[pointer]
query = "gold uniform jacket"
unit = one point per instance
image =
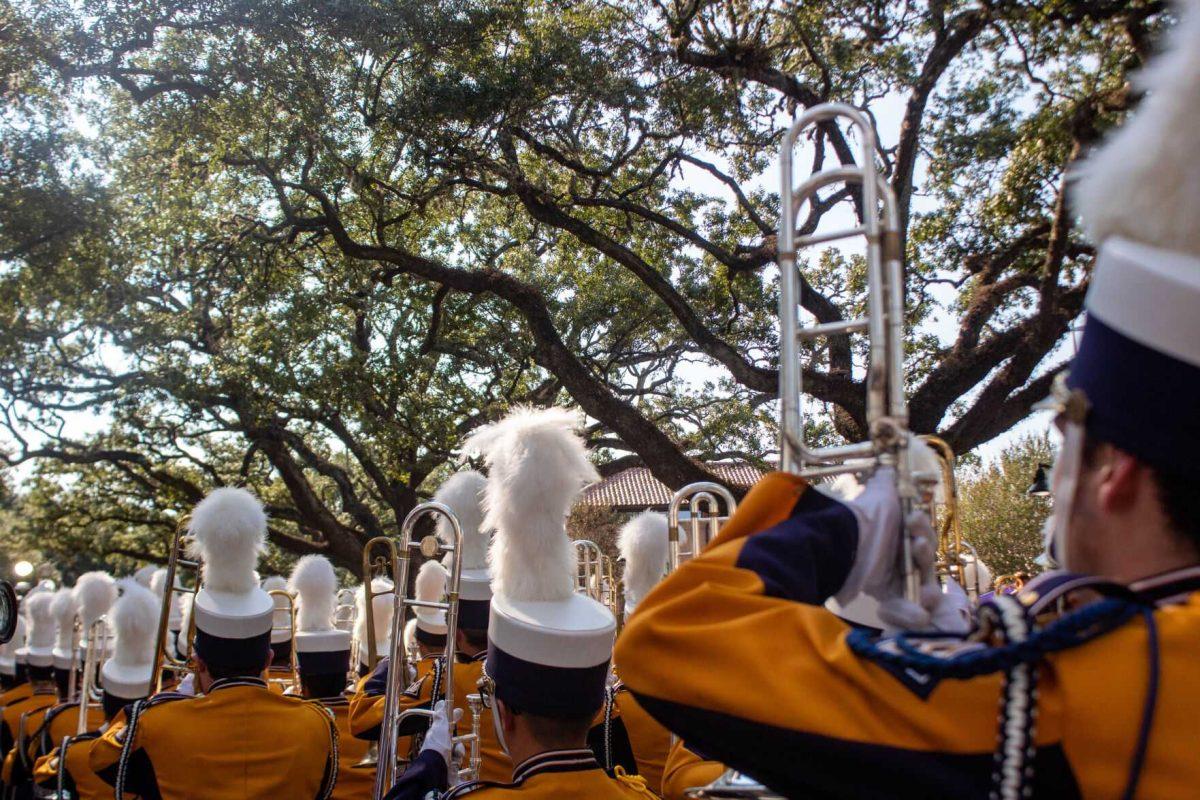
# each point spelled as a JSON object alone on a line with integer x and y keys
{"x": 687, "y": 770}
{"x": 67, "y": 771}
{"x": 367, "y": 708}
{"x": 735, "y": 653}
{"x": 237, "y": 742}
{"x": 60, "y": 722}
{"x": 553, "y": 775}
{"x": 23, "y": 717}
{"x": 626, "y": 736}
{"x": 353, "y": 782}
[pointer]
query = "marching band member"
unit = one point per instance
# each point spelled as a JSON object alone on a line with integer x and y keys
{"x": 93, "y": 595}
{"x": 1094, "y": 701}
{"x": 238, "y": 739}
{"x": 548, "y": 647}
{"x": 462, "y": 493}
{"x": 145, "y": 576}
{"x": 625, "y": 734}
{"x": 323, "y": 659}
{"x": 63, "y": 609}
{"x": 16, "y": 728}
{"x": 125, "y": 679}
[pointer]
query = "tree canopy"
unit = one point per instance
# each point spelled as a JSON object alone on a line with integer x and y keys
{"x": 307, "y": 246}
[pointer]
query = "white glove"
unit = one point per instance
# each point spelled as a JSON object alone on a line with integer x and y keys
{"x": 439, "y": 738}
{"x": 187, "y": 685}
{"x": 876, "y": 570}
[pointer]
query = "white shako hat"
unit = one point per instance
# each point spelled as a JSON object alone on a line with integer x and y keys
{"x": 382, "y": 607}
{"x": 62, "y": 607}
{"x": 643, "y": 543}
{"x": 158, "y": 585}
{"x": 145, "y": 575}
{"x": 127, "y": 674}
{"x": 430, "y": 585}
{"x": 548, "y": 648}
{"x": 39, "y": 645}
{"x": 8, "y": 650}
{"x": 233, "y": 615}
{"x": 463, "y": 493}
{"x": 321, "y": 649}
{"x": 1138, "y": 364}
{"x": 95, "y": 592}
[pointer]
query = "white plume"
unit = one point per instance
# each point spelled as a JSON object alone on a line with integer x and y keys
{"x": 315, "y": 585}
{"x": 537, "y": 466}
{"x": 1143, "y": 183}
{"x": 158, "y": 581}
{"x": 145, "y": 575}
{"x": 185, "y": 621}
{"x": 40, "y": 611}
{"x": 382, "y": 606}
{"x": 463, "y": 493}
{"x": 229, "y": 530}
{"x": 274, "y": 583}
{"x": 95, "y": 592}
{"x": 410, "y": 635}
{"x": 431, "y": 581}
{"x": 643, "y": 543}
{"x": 135, "y": 621}
{"x": 63, "y": 609}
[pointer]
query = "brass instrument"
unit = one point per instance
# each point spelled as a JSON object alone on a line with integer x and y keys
{"x": 345, "y": 614}
{"x": 732, "y": 785}
{"x": 90, "y": 696}
{"x": 179, "y": 661}
{"x": 589, "y": 570}
{"x": 458, "y": 772}
{"x": 704, "y": 519}
{"x": 380, "y": 559}
{"x": 954, "y": 554}
{"x": 285, "y": 602}
{"x": 886, "y": 405}
{"x": 430, "y": 547}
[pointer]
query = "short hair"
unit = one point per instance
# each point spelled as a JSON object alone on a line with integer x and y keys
{"x": 475, "y": 637}
{"x": 241, "y": 669}
{"x": 559, "y": 732}
{"x": 322, "y": 684}
{"x": 37, "y": 673}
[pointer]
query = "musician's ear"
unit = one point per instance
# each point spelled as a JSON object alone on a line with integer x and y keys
{"x": 1121, "y": 480}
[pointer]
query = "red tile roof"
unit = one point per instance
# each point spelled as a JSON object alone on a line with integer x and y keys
{"x": 635, "y": 488}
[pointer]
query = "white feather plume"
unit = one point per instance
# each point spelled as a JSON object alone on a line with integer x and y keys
{"x": 229, "y": 531}
{"x": 1143, "y": 183}
{"x": 431, "y": 581}
{"x": 145, "y": 575}
{"x": 135, "y": 621}
{"x": 315, "y": 585}
{"x": 463, "y": 492}
{"x": 63, "y": 608}
{"x": 382, "y": 605}
{"x": 274, "y": 583}
{"x": 643, "y": 543}
{"x": 39, "y": 610}
{"x": 410, "y": 635}
{"x": 537, "y": 465}
{"x": 95, "y": 592}
{"x": 158, "y": 581}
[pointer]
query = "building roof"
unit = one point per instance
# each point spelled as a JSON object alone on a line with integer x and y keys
{"x": 635, "y": 488}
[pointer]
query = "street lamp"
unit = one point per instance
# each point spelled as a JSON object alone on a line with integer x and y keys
{"x": 23, "y": 569}
{"x": 1041, "y": 484}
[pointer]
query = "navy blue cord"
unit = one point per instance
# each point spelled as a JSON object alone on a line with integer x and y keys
{"x": 1143, "y": 742}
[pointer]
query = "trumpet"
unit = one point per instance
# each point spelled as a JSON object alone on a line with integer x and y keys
{"x": 704, "y": 519}
{"x": 179, "y": 661}
{"x": 430, "y": 547}
{"x": 469, "y": 742}
{"x": 886, "y": 405}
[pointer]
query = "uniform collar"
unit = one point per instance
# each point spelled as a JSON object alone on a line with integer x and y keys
{"x": 228, "y": 683}
{"x": 1168, "y": 588}
{"x": 555, "y": 761}
{"x": 465, "y": 659}
{"x": 340, "y": 700}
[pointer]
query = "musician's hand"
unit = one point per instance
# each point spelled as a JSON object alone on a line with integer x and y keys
{"x": 439, "y": 738}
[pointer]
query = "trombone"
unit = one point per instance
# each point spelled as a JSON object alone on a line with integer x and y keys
{"x": 90, "y": 697}
{"x": 430, "y": 547}
{"x": 177, "y": 662}
{"x": 285, "y": 603}
{"x": 886, "y": 405}
{"x": 590, "y": 569}
{"x": 704, "y": 519}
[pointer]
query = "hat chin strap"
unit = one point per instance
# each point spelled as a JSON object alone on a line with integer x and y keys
{"x": 498, "y": 726}
{"x": 1064, "y": 481}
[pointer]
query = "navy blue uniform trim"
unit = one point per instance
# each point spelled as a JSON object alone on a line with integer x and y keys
{"x": 807, "y": 557}
{"x": 798, "y": 764}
